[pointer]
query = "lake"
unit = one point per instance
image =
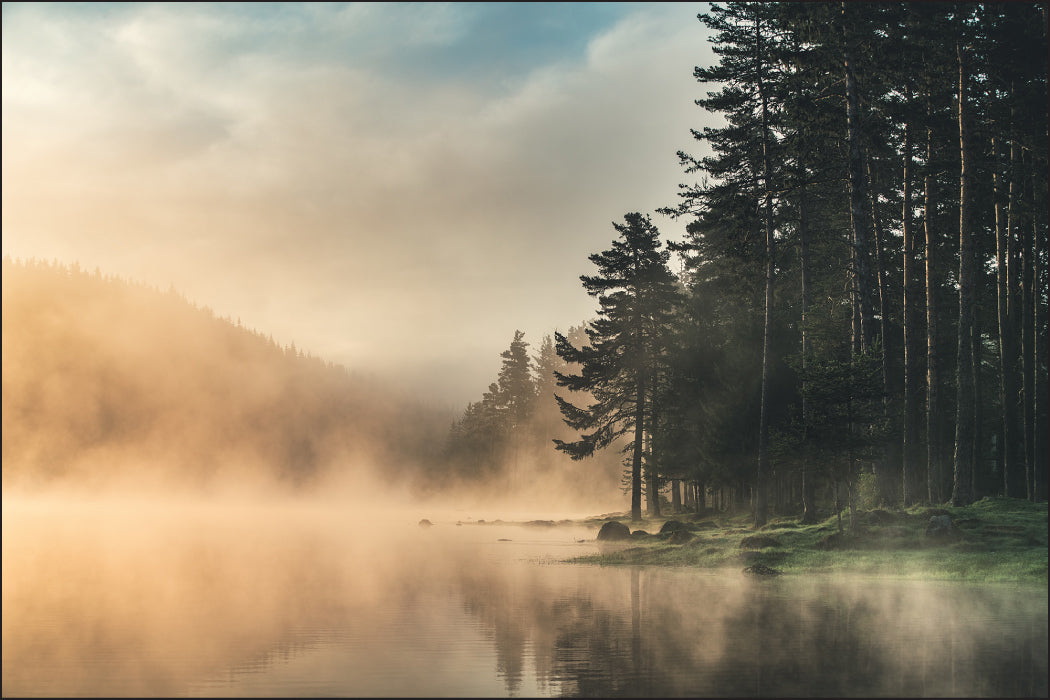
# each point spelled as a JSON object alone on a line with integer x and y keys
{"x": 135, "y": 598}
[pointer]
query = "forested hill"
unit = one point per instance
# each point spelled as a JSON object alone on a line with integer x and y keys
{"x": 105, "y": 379}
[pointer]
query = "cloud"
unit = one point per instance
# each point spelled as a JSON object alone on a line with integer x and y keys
{"x": 348, "y": 177}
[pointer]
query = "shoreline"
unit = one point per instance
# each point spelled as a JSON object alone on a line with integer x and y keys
{"x": 994, "y": 540}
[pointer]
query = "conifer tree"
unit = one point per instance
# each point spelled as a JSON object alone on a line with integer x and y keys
{"x": 636, "y": 293}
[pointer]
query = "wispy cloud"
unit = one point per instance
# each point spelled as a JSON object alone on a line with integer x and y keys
{"x": 387, "y": 185}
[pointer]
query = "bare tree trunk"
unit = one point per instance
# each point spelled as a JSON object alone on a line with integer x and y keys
{"x": 933, "y": 440}
{"x": 636, "y": 459}
{"x": 809, "y": 514}
{"x": 887, "y": 473}
{"x": 977, "y": 431}
{"x": 676, "y": 496}
{"x": 860, "y": 223}
{"x": 963, "y": 468}
{"x": 910, "y": 432}
{"x": 767, "y": 332}
{"x": 652, "y": 468}
{"x": 1039, "y": 395}
{"x": 1007, "y": 348}
{"x": 1028, "y": 329}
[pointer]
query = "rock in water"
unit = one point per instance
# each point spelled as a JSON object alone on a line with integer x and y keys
{"x": 762, "y": 570}
{"x": 613, "y": 530}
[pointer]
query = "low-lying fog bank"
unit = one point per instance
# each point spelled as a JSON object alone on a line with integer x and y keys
{"x": 248, "y": 597}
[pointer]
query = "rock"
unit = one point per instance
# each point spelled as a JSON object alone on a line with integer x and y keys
{"x": 758, "y": 542}
{"x": 762, "y": 570}
{"x": 638, "y": 534}
{"x": 613, "y": 530}
{"x": 941, "y": 528}
{"x": 426, "y": 523}
{"x": 706, "y": 525}
{"x": 672, "y": 526}
{"x": 680, "y": 537}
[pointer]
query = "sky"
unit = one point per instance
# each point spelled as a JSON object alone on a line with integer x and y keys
{"x": 394, "y": 187}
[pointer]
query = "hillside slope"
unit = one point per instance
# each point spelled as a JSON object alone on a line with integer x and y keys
{"x": 107, "y": 379}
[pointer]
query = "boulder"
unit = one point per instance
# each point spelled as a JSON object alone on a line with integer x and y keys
{"x": 426, "y": 523}
{"x": 639, "y": 534}
{"x": 613, "y": 530}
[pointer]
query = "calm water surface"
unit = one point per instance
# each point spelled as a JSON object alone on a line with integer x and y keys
{"x": 109, "y": 600}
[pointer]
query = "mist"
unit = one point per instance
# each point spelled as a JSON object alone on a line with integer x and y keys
{"x": 167, "y": 596}
{"x": 110, "y": 386}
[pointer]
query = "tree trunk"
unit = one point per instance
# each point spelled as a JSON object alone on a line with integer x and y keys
{"x": 636, "y": 460}
{"x": 1028, "y": 328}
{"x": 652, "y": 465}
{"x": 767, "y": 331}
{"x": 1007, "y": 346}
{"x": 910, "y": 427}
{"x": 1039, "y": 395}
{"x": 809, "y": 513}
{"x": 887, "y": 475}
{"x": 961, "y": 492}
{"x": 977, "y": 431}
{"x": 860, "y": 223}
{"x": 676, "y": 496}
{"x": 933, "y": 438}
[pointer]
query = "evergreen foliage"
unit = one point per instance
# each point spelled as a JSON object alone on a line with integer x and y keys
{"x": 626, "y": 347}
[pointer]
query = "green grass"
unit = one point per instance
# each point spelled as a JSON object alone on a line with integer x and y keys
{"x": 994, "y": 540}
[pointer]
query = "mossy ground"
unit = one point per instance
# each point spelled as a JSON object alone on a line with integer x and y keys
{"x": 992, "y": 540}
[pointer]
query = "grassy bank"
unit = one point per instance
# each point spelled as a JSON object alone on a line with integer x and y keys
{"x": 994, "y": 539}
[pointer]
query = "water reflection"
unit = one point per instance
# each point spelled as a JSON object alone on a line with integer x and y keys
{"x": 296, "y": 602}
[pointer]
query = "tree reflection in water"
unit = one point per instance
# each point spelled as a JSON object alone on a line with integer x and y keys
{"x": 689, "y": 633}
{"x": 242, "y": 603}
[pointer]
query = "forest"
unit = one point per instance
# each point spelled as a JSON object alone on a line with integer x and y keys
{"x": 861, "y": 312}
{"x": 106, "y": 380}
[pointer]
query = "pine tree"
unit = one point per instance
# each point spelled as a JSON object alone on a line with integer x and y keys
{"x": 636, "y": 293}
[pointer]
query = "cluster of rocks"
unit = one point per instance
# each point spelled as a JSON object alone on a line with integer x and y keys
{"x": 674, "y": 531}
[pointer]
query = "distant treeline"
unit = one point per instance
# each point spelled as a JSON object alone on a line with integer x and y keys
{"x": 506, "y": 437}
{"x": 106, "y": 378}
{"x": 862, "y": 309}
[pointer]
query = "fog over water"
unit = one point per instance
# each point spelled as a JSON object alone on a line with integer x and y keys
{"x": 241, "y": 597}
